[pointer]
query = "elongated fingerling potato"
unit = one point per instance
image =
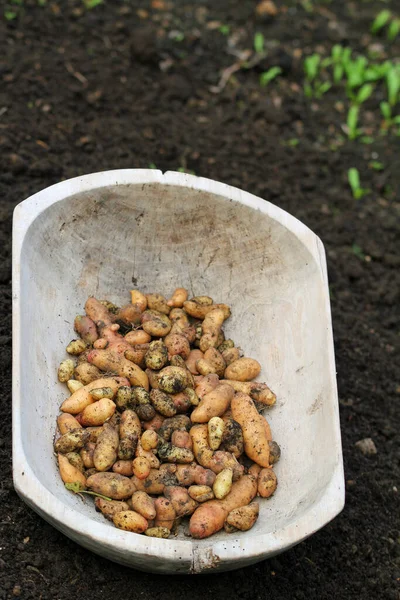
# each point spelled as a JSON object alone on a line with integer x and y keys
{"x": 129, "y": 520}
{"x": 254, "y": 432}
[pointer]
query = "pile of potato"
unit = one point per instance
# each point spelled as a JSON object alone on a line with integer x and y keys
{"x": 163, "y": 418}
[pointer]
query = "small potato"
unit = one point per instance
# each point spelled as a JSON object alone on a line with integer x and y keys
{"x": 156, "y": 323}
{"x": 145, "y": 412}
{"x": 110, "y": 508}
{"x": 155, "y": 482}
{"x": 94, "y": 433}
{"x": 274, "y": 452}
{"x": 211, "y": 329}
{"x": 177, "y": 299}
{"x": 66, "y": 370}
{"x": 267, "y": 483}
{"x": 254, "y": 431}
{"x": 204, "y": 476}
{"x": 165, "y": 513}
{"x": 201, "y": 493}
{"x": 181, "y": 501}
{"x": 254, "y": 470}
{"x": 230, "y": 355}
{"x": 105, "y": 452}
{"x": 177, "y": 423}
{"x": 73, "y": 385}
{"x": 139, "y": 299}
{"x": 181, "y": 439}
{"x": 103, "y": 392}
{"x": 98, "y": 413}
{"x": 232, "y": 437}
{"x": 76, "y": 347}
{"x": 207, "y": 384}
{"x": 213, "y": 404}
{"x": 137, "y": 354}
{"x": 155, "y": 423}
{"x": 129, "y": 315}
{"x": 216, "y": 360}
{"x": 140, "y": 397}
{"x": 86, "y": 329}
{"x": 173, "y": 380}
{"x": 127, "y": 447}
{"x": 177, "y": 344}
{"x": 123, "y": 467}
{"x": 259, "y": 392}
{"x": 223, "y": 483}
{"x": 194, "y": 356}
{"x": 141, "y": 467}
{"x": 216, "y": 428}
{"x": 204, "y": 367}
{"x": 156, "y": 356}
{"x": 71, "y": 441}
{"x": 76, "y": 461}
{"x": 158, "y": 532}
{"x": 69, "y": 473}
{"x": 226, "y": 345}
{"x": 185, "y": 474}
{"x": 181, "y": 402}
{"x": 124, "y": 398}
{"x": 86, "y": 373}
{"x": 67, "y": 422}
{"x": 113, "y": 485}
{"x": 162, "y": 403}
{"x": 243, "y": 369}
{"x": 192, "y": 396}
{"x": 129, "y": 520}
{"x": 149, "y": 440}
{"x": 159, "y": 303}
{"x": 179, "y": 317}
{"x": 170, "y": 453}
{"x": 144, "y": 505}
{"x": 153, "y": 377}
{"x": 137, "y": 336}
{"x": 243, "y": 518}
{"x": 87, "y": 453}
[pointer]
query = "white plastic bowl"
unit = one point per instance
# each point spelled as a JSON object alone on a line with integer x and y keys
{"x": 105, "y": 233}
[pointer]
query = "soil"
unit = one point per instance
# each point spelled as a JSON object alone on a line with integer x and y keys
{"x": 127, "y": 84}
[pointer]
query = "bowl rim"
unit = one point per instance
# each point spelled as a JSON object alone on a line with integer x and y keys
{"x": 191, "y": 555}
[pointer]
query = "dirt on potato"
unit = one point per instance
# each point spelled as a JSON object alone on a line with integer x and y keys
{"x": 127, "y": 85}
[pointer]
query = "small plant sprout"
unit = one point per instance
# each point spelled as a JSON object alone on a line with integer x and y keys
{"x": 258, "y": 43}
{"x": 89, "y": 4}
{"x": 352, "y": 121}
{"x": 312, "y": 85}
{"x": 393, "y": 30}
{"x": 338, "y": 68}
{"x": 10, "y": 15}
{"x": 269, "y": 75}
{"x": 393, "y": 85}
{"x": 224, "y": 29}
{"x": 376, "y": 165}
{"x": 354, "y": 182}
{"x": 381, "y": 20}
{"x": 357, "y": 251}
{"x": 78, "y": 489}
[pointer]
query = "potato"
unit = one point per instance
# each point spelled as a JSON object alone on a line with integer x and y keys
{"x": 216, "y": 360}
{"x": 69, "y": 473}
{"x": 67, "y": 422}
{"x": 127, "y": 446}
{"x": 243, "y": 369}
{"x": 141, "y": 467}
{"x": 253, "y": 427}
{"x": 192, "y": 396}
{"x": 201, "y": 493}
{"x": 137, "y": 336}
{"x": 76, "y": 461}
{"x": 170, "y": 453}
{"x": 185, "y": 474}
{"x": 181, "y": 501}
{"x": 162, "y": 403}
{"x": 232, "y": 437}
{"x": 98, "y": 413}
{"x": 113, "y": 485}
{"x": 199, "y": 311}
{"x": 149, "y": 454}
{"x": 179, "y": 317}
{"x": 204, "y": 367}
{"x": 153, "y": 377}
{"x": 181, "y": 439}
{"x": 155, "y": 423}
{"x": 267, "y": 483}
{"x": 86, "y": 329}
{"x": 216, "y": 428}
{"x": 137, "y": 354}
{"x": 82, "y": 398}
{"x": 86, "y": 373}
{"x": 243, "y": 518}
{"x": 109, "y": 360}
{"x": 129, "y": 424}
{"x": 216, "y": 461}
{"x": 72, "y": 440}
{"x": 105, "y": 452}
{"x": 259, "y": 392}
{"x": 103, "y": 392}
{"x": 123, "y": 467}
{"x": 210, "y": 516}
{"x": 158, "y": 303}
{"x": 274, "y": 452}
{"x": 154, "y": 483}
{"x": 165, "y": 513}
{"x": 66, "y": 370}
{"x": 207, "y": 384}
{"x": 94, "y": 433}
{"x": 110, "y": 508}
{"x": 194, "y": 356}
{"x": 124, "y": 398}
{"x": 144, "y": 505}
{"x": 173, "y": 380}
{"x": 149, "y": 440}
{"x": 213, "y": 404}
{"x": 155, "y": 323}
{"x": 223, "y": 483}
{"x": 177, "y": 344}
{"x": 76, "y": 347}
{"x": 226, "y": 345}
{"x": 177, "y": 423}
{"x": 129, "y": 520}
{"x": 254, "y": 470}
{"x": 96, "y": 311}
{"x": 211, "y": 329}
{"x": 204, "y": 476}
{"x": 156, "y": 356}
{"x": 73, "y": 385}
{"x": 230, "y": 355}
{"x": 158, "y": 532}
{"x": 87, "y": 453}
{"x": 139, "y": 299}
{"x": 130, "y": 314}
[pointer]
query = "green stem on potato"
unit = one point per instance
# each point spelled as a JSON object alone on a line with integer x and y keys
{"x": 76, "y": 487}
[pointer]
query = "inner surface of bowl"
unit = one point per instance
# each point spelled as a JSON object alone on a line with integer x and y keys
{"x": 155, "y": 237}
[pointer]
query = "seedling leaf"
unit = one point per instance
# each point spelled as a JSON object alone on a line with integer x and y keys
{"x": 381, "y": 20}
{"x": 269, "y": 75}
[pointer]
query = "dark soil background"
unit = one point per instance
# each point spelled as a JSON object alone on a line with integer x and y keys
{"x": 127, "y": 84}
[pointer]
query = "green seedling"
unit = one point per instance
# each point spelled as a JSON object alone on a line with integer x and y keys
{"x": 367, "y": 139}
{"x": 268, "y": 76}
{"x": 352, "y": 122}
{"x": 337, "y": 61}
{"x": 393, "y": 85}
{"x": 10, "y": 15}
{"x": 393, "y": 30}
{"x": 224, "y": 29}
{"x": 312, "y": 85}
{"x": 311, "y": 66}
{"x": 376, "y": 165}
{"x": 357, "y": 250}
{"x": 258, "y": 43}
{"x": 354, "y": 182}
{"x": 152, "y": 166}
{"x": 77, "y": 488}
{"x": 381, "y": 20}
{"x": 89, "y": 4}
